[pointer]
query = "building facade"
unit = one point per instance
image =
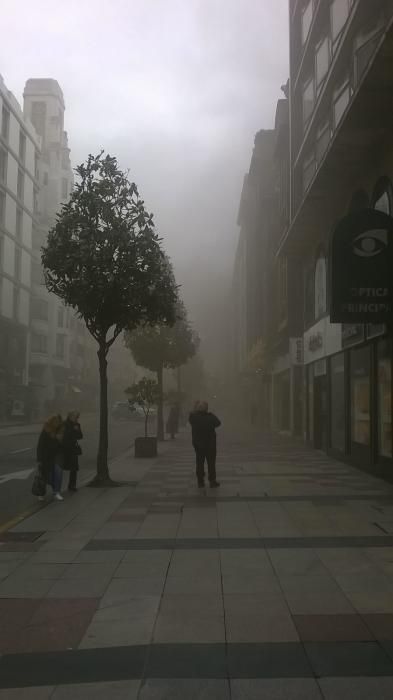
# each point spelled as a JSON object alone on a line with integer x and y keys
{"x": 61, "y": 350}
{"x": 19, "y": 155}
{"x": 341, "y": 160}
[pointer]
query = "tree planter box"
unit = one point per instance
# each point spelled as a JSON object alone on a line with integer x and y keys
{"x": 145, "y": 447}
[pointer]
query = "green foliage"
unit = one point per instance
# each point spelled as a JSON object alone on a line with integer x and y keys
{"x": 103, "y": 256}
{"x": 144, "y": 393}
{"x": 162, "y": 345}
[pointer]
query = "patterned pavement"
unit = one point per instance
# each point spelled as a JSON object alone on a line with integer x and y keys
{"x": 277, "y": 585}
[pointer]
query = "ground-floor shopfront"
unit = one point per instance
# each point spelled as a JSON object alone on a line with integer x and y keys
{"x": 349, "y": 400}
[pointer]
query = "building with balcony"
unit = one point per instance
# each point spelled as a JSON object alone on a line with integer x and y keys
{"x": 19, "y": 155}
{"x": 341, "y": 159}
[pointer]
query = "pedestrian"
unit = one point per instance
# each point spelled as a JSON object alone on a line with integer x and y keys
{"x": 50, "y": 454}
{"x": 204, "y": 424}
{"x": 72, "y": 449}
{"x": 172, "y": 425}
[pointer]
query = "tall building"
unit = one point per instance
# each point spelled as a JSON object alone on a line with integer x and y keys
{"x": 341, "y": 160}
{"x": 61, "y": 349}
{"x": 19, "y": 155}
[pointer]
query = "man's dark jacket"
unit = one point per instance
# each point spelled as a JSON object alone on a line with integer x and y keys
{"x": 203, "y": 429}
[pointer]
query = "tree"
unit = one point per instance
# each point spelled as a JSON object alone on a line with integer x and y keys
{"x": 144, "y": 393}
{"x": 161, "y": 346}
{"x": 104, "y": 259}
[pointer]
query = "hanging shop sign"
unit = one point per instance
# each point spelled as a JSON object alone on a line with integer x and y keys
{"x": 296, "y": 351}
{"x": 352, "y": 334}
{"x": 361, "y": 268}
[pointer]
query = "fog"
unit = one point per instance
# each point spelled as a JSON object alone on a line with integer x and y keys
{"x": 176, "y": 90}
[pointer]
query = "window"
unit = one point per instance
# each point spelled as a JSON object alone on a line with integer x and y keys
{"x": 19, "y": 224}
{"x": 5, "y": 123}
{"x": 322, "y": 60}
{"x": 322, "y": 142}
{"x": 38, "y": 117}
{"x": 337, "y": 402}
{"x": 309, "y": 294}
{"x": 339, "y": 11}
{"x": 39, "y": 309}
{"x": 340, "y": 104}
{"x": 60, "y": 317}
{"x": 18, "y": 263}
{"x": 283, "y": 289}
{"x": 308, "y": 100}
{"x": 384, "y": 399}
{"x": 37, "y": 274}
{"x": 22, "y": 146}
{"x": 20, "y": 187}
{"x": 16, "y": 295}
{"x": 39, "y": 342}
{"x": 36, "y": 172}
{"x": 64, "y": 188}
{"x": 60, "y": 345}
{"x": 45, "y": 178}
{"x": 320, "y": 287}
{"x": 3, "y": 165}
{"x": 2, "y": 208}
{"x": 306, "y": 21}
{"x": 35, "y": 200}
{"x": 360, "y": 395}
{"x": 309, "y": 168}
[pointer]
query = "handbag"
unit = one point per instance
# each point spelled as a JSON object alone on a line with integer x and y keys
{"x": 78, "y": 449}
{"x": 38, "y": 487}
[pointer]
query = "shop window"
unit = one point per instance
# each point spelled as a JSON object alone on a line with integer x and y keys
{"x": 306, "y": 21}
{"x": 320, "y": 287}
{"x": 384, "y": 399}
{"x": 339, "y": 11}
{"x": 382, "y": 198}
{"x": 322, "y": 60}
{"x": 360, "y": 396}
{"x": 337, "y": 402}
{"x": 340, "y": 103}
{"x": 308, "y": 100}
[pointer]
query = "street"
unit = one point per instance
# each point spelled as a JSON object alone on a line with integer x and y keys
{"x": 18, "y": 460}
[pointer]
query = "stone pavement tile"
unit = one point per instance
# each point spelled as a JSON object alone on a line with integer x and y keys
{"x": 374, "y": 581}
{"x": 249, "y": 562}
{"x": 192, "y": 585}
{"x": 259, "y": 628}
{"x": 186, "y": 661}
{"x": 144, "y": 564}
{"x": 98, "y": 557}
{"x": 255, "y": 584}
{"x": 275, "y": 689}
{"x": 79, "y": 588}
{"x": 189, "y": 619}
{"x": 369, "y": 602}
{"x": 15, "y": 614}
{"x": 319, "y": 603}
{"x": 24, "y": 588}
{"x": 189, "y": 563}
{"x": 332, "y": 628}
{"x": 346, "y": 560}
{"x": 117, "y": 690}
{"x": 185, "y": 689}
{"x": 121, "y": 589}
{"x": 359, "y": 688}
{"x": 56, "y": 625}
{"x": 7, "y": 568}
{"x": 42, "y": 693}
{"x": 53, "y": 557}
{"x": 261, "y": 604}
{"x": 348, "y": 659}
{"x": 39, "y": 571}
{"x": 299, "y": 562}
{"x": 118, "y": 633}
{"x": 7, "y": 556}
{"x": 286, "y": 660}
{"x": 92, "y": 570}
{"x": 139, "y": 606}
{"x": 381, "y": 625}
{"x": 308, "y": 584}
{"x": 65, "y": 543}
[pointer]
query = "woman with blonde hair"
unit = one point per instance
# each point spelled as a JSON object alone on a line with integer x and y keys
{"x": 50, "y": 454}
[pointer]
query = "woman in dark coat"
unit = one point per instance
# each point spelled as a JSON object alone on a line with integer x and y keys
{"x": 72, "y": 450}
{"x": 50, "y": 454}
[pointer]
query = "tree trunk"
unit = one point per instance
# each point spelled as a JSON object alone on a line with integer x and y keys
{"x": 146, "y": 420}
{"x": 102, "y": 457}
{"x": 160, "y": 407}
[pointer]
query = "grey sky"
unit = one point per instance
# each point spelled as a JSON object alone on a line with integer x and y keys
{"x": 175, "y": 88}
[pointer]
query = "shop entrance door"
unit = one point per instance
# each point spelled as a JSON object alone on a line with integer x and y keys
{"x": 320, "y": 412}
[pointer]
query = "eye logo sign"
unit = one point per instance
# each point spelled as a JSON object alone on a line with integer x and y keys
{"x": 370, "y": 243}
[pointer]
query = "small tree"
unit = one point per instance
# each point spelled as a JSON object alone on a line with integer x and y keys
{"x": 144, "y": 393}
{"x": 104, "y": 259}
{"x": 160, "y": 347}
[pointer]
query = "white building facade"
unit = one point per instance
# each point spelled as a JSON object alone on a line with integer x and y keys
{"x": 19, "y": 154}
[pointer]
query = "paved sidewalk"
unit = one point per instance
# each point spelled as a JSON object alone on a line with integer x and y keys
{"x": 279, "y": 585}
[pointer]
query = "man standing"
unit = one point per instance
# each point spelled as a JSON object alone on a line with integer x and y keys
{"x": 204, "y": 426}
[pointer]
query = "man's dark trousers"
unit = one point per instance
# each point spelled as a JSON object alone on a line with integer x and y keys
{"x": 209, "y": 454}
